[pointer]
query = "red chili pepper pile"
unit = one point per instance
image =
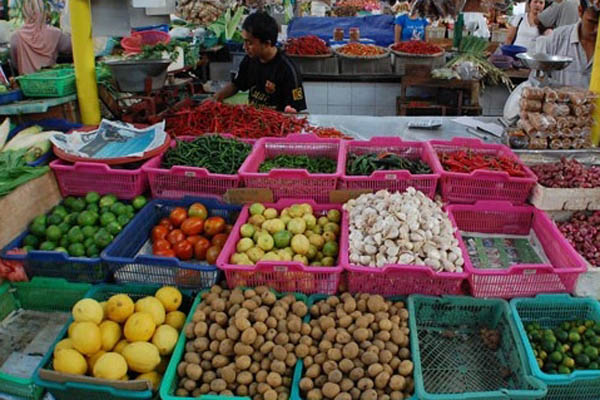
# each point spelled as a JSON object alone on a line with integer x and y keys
{"x": 330, "y": 133}
{"x": 417, "y": 47}
{"x": 467, "y": 161}
{"x": 306, "y": 46}
{"x": 240, "y": 120}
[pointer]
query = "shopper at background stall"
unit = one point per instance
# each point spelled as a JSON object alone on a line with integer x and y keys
{"x": 271, "y": 78}
{"x": 409, "y": 27}
{"x": 474, "y": 17}
{"x": 36, "y": 44}
{"x": 576, "y": 41}
{"x": 522, "y": 30}
{"x": 559, "y": 13}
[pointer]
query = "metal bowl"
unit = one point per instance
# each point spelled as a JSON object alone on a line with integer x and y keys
{"x": 131, "y": 75}
{"x": 544, "y": 62}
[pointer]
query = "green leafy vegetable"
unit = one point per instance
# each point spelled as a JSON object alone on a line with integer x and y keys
{"x": 14, "y": 172}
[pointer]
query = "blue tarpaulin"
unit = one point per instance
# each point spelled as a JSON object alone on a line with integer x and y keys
{"x": 380, "y": 28}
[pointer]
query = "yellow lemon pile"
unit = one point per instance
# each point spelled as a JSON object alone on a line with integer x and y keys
{"x": 120, "y": 339}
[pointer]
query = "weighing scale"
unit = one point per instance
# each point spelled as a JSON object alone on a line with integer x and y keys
{"x": 543, "y": 65}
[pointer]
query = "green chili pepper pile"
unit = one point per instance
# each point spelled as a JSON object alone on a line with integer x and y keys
{"x": 314, "y": 165}
{"x": 366, "y": 164}
{"x": 217, "y": 154}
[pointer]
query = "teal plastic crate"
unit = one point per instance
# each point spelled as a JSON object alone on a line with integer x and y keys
{"x": 549, "y": 311}
{"x": 298, "y": 371}
{"x": 452, "y": 362}
{"x": 41, "y": 294}
{"x": 87, "y": 391}
{"x": 171, "y": 379}
{"x": 50, "y": 83}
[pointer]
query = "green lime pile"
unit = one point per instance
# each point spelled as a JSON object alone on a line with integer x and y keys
{"x": 81, "y": 226}
{"x": 571, "y": 346}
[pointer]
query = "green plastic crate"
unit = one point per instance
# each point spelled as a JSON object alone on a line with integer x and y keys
{"x": 85, "y": 391}
{"x": 451, "y": 361}
{"x": 171, "y": 379}
{"x": 41, "y": 294}
{"x": 51, "y": 83}
{"x": 295, "y": 393}
{"x": 550, "y": 311}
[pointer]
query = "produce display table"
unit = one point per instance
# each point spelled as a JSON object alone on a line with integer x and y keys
{"x": 36, "y": 109}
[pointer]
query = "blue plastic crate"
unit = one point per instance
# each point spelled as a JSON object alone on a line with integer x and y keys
{"x": 48, "y": 125}
{"x": 91, "y": 390}
{"x": 11, "y": 97}
{"x": 128, "y": 265}
{"x": 550, "y": 311}
{"x": 55, "y": 264}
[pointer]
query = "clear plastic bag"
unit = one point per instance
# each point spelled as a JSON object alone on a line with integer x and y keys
{"x": 572, "y": 120}
{"x": 556, "y": 110}
{"x": 526, "y": 126}
{"x": 567, "y": 133}
{"x": 517, "y": 139}
{"x": 567, "y": 143}
{"x": 579, "y": 111}
{"x": 562, "y": 123}
{"x": 578, "y": 143}
{"x": 556, "y": 144}
{"x": 563, "y": 95}
{"x": 550, "y": 95}
{"x": 538, "y": 144}
{"x": 533, "y": 93}
{"x": 542, "y": 122}
{"x": 530, "y": 105}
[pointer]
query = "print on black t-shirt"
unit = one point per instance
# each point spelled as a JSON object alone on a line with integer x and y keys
{"x": 275, "y": 84}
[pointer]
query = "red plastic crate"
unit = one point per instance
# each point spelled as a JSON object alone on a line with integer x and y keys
{"x": 294, "y": 183}
{"x": 82, "y": 177}
{"x": 282, "y": 276}
{"x": 393, "y": 181}
{"x": 481, "y": 184}
{"x": 399, "y": 280}
{"x": 519, "y": 280}
{"x": 181, "y": 181}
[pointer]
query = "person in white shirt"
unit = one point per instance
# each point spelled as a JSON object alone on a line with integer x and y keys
{"x": 522, "y": 30}
{"x": 560, "y": 13}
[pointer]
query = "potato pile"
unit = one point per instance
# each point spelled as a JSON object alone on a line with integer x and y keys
{"x": 357, "y": 349}
{"x": 243, "y": 343}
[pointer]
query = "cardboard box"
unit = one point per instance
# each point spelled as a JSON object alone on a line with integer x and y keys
{"x": 19, "y": 208}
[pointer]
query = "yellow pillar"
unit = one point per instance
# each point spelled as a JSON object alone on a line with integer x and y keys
{"x": 595, "y": 87}
{"x": 84, "y": 61}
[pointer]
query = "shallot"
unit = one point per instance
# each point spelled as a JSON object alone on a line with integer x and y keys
{"x": 567, "y": 174}
{"x": 583, "y": 232}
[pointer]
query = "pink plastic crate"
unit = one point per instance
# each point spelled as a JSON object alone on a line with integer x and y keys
{"x": 280, "y": 275}
{"x": 394, "y": 181}
{"x": 519, "y": 280}
{"x": 82, "y": 177}
{"x": 399, "y": 280}
{"x": 481, "y": 185}
{"x": 291, "y": 183}
{"x": 181, "y": 181}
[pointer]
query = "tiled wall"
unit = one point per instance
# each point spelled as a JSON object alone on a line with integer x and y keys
{"x": 378, "y": 99}
{"x": 356, "y": 98}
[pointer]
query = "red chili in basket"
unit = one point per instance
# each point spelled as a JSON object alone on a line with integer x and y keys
{"x": 417, "y": 47}
{"x": 465, "y": 161}
{"x": 306, "y": 46}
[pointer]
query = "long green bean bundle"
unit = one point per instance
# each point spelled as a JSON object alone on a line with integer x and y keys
{"x": 217, "y": 154}
{"x": 366, "y": 164}
{"x": 314, "y": 165}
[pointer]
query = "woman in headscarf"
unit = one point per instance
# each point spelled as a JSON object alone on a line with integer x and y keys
{"x": 36, "y": 44}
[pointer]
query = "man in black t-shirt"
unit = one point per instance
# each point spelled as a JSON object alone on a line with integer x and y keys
{"x": 269, "y": 75}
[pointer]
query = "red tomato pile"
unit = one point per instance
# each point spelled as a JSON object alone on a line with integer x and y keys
{"x": 190, "y": 234}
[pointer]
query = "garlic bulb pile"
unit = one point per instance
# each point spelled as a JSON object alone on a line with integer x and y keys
{"x": 401, "y": 228}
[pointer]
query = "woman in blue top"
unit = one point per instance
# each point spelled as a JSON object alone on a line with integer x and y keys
{"x": 410, "y": 27}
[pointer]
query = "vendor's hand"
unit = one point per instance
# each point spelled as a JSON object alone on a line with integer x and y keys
{"x": 290, "y": 110}
{"x": 548, "y": 32}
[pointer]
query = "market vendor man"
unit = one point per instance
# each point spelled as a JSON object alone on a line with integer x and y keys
{"x": 576, "y": 41}
{"x": 271, "y": 78}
